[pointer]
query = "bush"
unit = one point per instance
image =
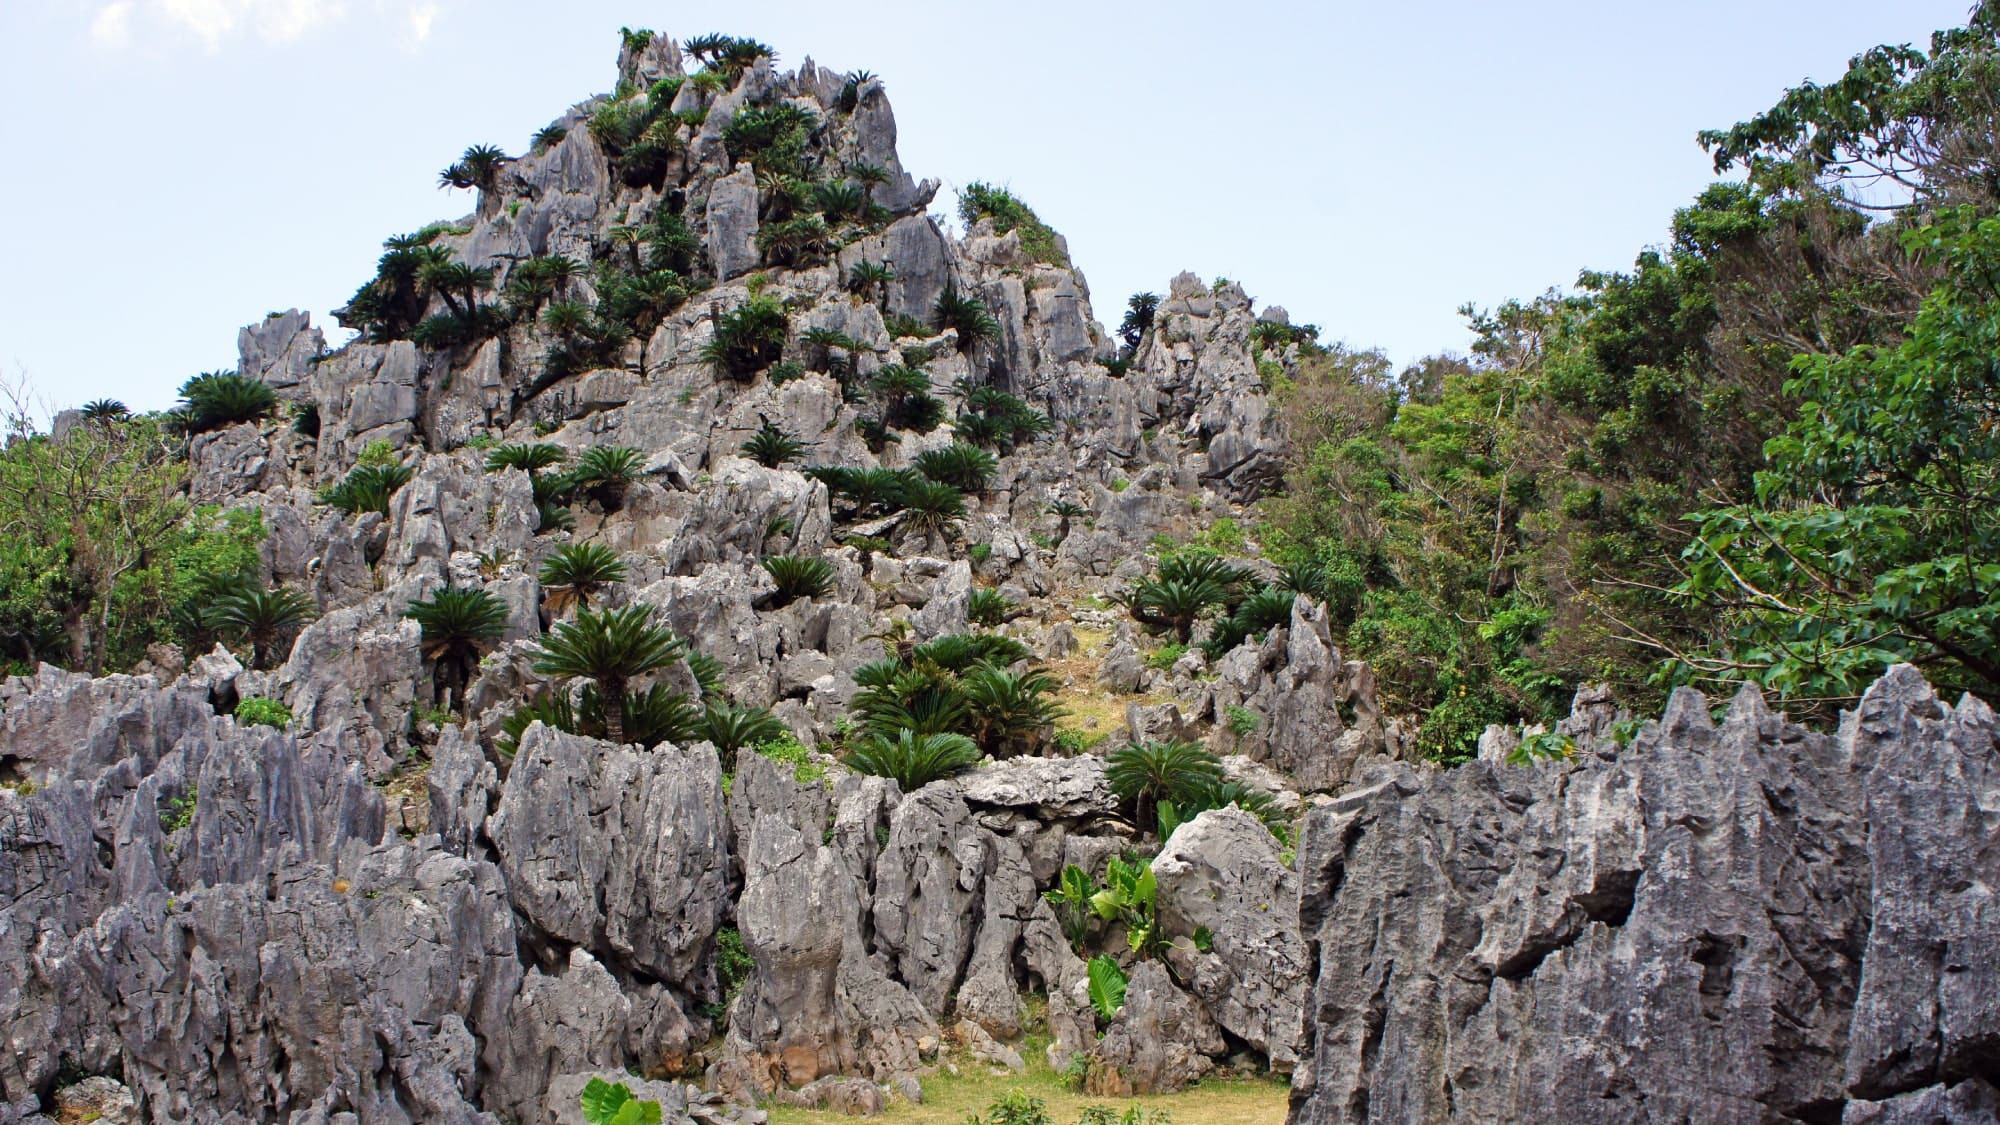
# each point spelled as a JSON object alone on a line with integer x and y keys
{"x": 799, "y": 577}
{"x": 748, "y": 339}
{"x": 219, "y": 398}
{"x": 366, "y": 488}
{"x": 914, "y": 760}
{"x": 259, "y": 711}
{"x": 990, "y": 608}
{"x": 966, "y": 314}
{"x": 772, "y": 447}
{"x": 731, "y": 728}
{"x": 967, "y": 468}
{"x": 984, "y": 201}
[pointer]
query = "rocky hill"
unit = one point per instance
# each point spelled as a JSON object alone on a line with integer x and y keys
{"x": 900, "y": 499}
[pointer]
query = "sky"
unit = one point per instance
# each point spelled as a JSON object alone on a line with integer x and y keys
{"x": 177, "y": 168}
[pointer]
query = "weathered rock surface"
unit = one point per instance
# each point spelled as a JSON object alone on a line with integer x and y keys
{"x": 1744, "y": 922}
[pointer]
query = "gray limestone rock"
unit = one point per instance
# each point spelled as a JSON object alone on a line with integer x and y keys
{"x": 1223, "y": 873}
{"x": 1717, "y": 923}
{"x": 1163, "y": 1040}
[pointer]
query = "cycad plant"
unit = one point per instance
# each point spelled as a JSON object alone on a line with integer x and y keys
{"x": 1172, "y": 604}
{"x": 606, "y": 472}
{"x": 575, "y": 572}
{"x": 968, "y": 315}
{"x": 458, "y": 623}
{"x": 914, "y": 760}
{"x": 366, "y": 488}
{"x": 1009, "y": 712}
{"x": 218, "y": 398}
{"x": 967, "y": 468}
{"x": 990, "y": 608}
{"x": 732, "y": 728}
{"x": 870, "y": 279}
{"x": 931, "y": 506}
{"x": 1065, "y": 511}
{"x": 798, "y": 577}
{"x": 261, "y": 617}
{"x": 771, "y": 446}
{"x": 528, "y": 458}
{"x": 748, "y": 339}
{"x": 1146, "y": 773}
{"x": 1266, "y": 609}
{"x": 105, "y": 410}
{"x": 611, "y": 648}
{"x": 658, "y": 714}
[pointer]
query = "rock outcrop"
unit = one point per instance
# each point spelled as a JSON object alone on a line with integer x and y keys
{"x": 1735, "y": 922}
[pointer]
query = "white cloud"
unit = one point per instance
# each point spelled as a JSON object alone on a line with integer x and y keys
{"x": 112, "y": 26}
{"x": 422, "y": 17}
{"x": 216, "y": 23}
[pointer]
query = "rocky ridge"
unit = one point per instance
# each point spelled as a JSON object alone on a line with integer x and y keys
{"x": 374, "y": 916}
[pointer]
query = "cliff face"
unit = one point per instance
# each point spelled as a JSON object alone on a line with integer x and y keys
{"x": 374, "y": 915}
{"x": 1735, "y": 922}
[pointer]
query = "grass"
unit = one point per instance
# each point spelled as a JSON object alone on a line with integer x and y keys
{"x": 951, "y": 1098}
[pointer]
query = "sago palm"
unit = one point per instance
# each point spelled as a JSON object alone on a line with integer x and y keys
{"x": 611, "y": 648}
{"x": 771, "y": 446}
{"x": 528, "y": 458}
{"x": 1147, "y": 773}
{"x": 914, "y": 760}
{"x": 458, "y": 623}
{"x": 261, "y": 617}
{"x": 1009, "y": 711}
{"x": 575, "y": 572}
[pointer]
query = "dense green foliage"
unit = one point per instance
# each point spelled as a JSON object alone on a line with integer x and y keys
{"x": 611, "y": 648}
{"x": 978, "y": 201}
{"x": 102, "y": 554}
{"x": 457, "y": 623}
{"x": 1759, "y": 454}
{"x": 256, "y": 710}
{"x": 577, "y": 571}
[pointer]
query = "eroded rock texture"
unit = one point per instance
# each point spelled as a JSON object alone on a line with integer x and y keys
{"x": 1733, "y": 922}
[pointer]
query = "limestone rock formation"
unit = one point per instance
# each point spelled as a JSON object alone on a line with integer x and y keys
{"x": 1735, "y": 922}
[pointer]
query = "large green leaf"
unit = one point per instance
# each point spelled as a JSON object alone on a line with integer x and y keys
{"x": 1107, "y": 986}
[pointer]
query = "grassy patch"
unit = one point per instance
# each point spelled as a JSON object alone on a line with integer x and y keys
{"x": 949, "y": 1099}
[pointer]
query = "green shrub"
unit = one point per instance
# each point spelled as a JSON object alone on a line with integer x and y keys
{"x": 967, "y": 468}
{"x": 914, "y": 760}
{"x": 219, "y": 398}
{"x": 747, "y": 339}
{"x": 259, "y": 711}
{"x": 984, "y": 201}
{"x": 788, "y": 749}
{"x": 931, "y": 505}
{"x": 799, "y": 577}
{"x": 1243, "y": 721}
{"x": 366, "y": 488}
{"x": 1163, "y": 659}
{"x": 179, "y": 811}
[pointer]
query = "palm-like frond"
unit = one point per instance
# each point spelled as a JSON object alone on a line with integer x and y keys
{"x": 772, "y": 447}
{"x": 964, "y": 467}
{"x": 799, "y": 577}
{"x": 261, "y": 617}
{"x": 1147, "y": 773}
{"x": 915, "y": 760}
{"x": 526, "y": 457}
{"x": 575, "y": 572}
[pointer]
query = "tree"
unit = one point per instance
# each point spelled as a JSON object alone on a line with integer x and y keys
{"x": 457, "y": 624}
{"x": 611, "y": 648}
{"x": 1875, "y": 533}
{"x": 262, "y": 617}
{"x": 79, "y": 517}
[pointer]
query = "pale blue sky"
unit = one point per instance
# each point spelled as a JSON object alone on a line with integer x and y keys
{"x": 176, "y": 168}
